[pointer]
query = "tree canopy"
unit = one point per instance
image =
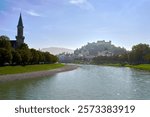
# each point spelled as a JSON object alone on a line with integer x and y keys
{"x": 140, "y": 54}
{"x": 22, "y": 55}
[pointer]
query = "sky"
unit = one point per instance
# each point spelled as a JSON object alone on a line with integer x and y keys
{"x": 74, "y": 23}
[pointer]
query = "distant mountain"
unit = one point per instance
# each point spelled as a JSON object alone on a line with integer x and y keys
{"x": 99, "y": 48}
{"x": 57, "y": 50}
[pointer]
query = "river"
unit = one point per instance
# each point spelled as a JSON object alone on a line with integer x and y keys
{"x": 88, "y": 82}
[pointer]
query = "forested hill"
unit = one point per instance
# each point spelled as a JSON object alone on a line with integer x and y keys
{"x": 99, "y": 48}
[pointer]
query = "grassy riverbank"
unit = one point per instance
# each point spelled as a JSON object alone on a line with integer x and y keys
{"x": 141, "y": 66}
{"x": 29, "y": 68}
{"x": 114, "y": 65}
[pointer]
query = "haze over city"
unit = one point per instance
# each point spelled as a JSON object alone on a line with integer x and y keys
{"x": 73, "y": 23}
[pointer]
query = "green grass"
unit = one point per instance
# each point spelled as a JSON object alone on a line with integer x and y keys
{"x": 29, "y": 68}
{"x": 113, "y": 65}
{"x": 141, "y": 66}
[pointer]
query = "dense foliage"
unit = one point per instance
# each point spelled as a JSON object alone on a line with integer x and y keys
{"x": 140, "y": 54}
{"x": 122, "y": 59}
{"x": 22, "y": 55}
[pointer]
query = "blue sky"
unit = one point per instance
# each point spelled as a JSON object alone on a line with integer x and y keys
{"x": 73, "y": 23}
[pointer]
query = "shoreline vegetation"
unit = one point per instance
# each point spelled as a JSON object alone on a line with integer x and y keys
{"x": 22, "y": 54}
{"x": 28, "y": 68}
{"x": 36, "y": 71}
{"x": 145, "y": 67}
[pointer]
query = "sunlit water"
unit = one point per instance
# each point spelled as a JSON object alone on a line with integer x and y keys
{"x": 86, "y": 82}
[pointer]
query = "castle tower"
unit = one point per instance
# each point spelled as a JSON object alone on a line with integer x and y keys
{"x": 20, "y": 38}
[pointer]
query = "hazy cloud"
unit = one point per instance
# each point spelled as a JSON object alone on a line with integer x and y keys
{"x": 84, "y": 4}
{"x": 78, "y": 1}
{"x": 33, "y": 13}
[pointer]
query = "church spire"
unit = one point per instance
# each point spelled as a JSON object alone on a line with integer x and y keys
{"x": 20, "y": 38}
{"x": 20, "y": 23}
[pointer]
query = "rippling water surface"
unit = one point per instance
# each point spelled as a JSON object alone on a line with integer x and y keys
{"x": 86, "y": 82}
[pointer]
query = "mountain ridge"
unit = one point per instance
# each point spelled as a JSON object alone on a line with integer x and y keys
{"x": 57, "y": 50}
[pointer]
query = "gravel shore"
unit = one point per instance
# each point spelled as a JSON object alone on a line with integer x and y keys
{"x": 12, "y": 77}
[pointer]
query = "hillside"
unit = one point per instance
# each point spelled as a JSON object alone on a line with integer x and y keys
{"x": 99, "y": 48}
{"x": 57, "y": 50}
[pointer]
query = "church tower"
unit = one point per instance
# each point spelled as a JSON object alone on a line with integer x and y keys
{"x": 20, "y": 38}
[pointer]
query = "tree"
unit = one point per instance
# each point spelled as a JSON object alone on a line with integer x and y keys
{"x": 54, "y": 58}
{"x": 48, "y": 58}
{"x": 34, "y": 56}
{"x": 5, "y": 50}
{"x": 23, "y": 46}
{"x": 147, "y": 58}
{"x": 22, "y": 55}
{"x": 138, "y": 53}
{"x": 25, "y": 54}
{"x": 16, "y": 57}
{"x": 5, "y": 56}
{"x": 41, "y": 57}
{"x": 5, "y": 43}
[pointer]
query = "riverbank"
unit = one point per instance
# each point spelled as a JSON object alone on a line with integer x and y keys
{"x": 28, "y": 68}
{"x": 113, "y": 65}
{"x": 36, "y": 74}
{"x": 145, "y": 67}
{"x": 141, "y": 66}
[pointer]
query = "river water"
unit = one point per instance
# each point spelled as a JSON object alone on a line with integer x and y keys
{"x": 88, "y": 82}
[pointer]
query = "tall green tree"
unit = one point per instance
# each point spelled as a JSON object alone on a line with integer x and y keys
{"x": 25, "y": 54}
{"x": 5, "y": 43}
{"x": 5, "y": 50}
{"x": 147, "y": 58}
{"x": 48, "y": 57}
{"x": 16, "y": 57}
{"x": 5, "y": 56}
{"x": 41, "y": 57}
{"x": 138, "y": 53}
{"x": 34, "y": 56}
